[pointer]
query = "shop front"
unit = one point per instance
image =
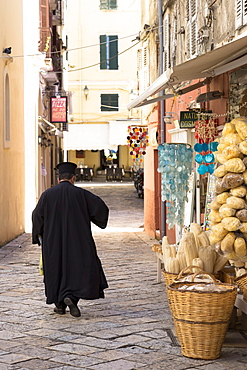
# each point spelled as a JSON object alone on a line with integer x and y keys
{"x": 99, "y": 145}
{"x": 201, "y": 85}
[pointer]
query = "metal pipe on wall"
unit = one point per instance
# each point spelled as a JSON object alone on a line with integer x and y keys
{"x": 162, "y": 110}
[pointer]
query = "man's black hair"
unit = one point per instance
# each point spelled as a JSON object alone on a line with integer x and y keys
{"x": 65, "y": 176}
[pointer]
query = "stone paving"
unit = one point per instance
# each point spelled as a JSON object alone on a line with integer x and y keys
{"x": 130, "y": 329}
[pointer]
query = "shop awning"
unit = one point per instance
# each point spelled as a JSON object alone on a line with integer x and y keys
{"x": 89, "y": 137}
{"x": 98, "y": 136}
{"x": 118, "y": 131}
{"x": 213, "y": 63}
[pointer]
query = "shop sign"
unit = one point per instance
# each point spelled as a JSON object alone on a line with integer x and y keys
{"x": 58, "y": 109}
{"x": 188, "y": 119}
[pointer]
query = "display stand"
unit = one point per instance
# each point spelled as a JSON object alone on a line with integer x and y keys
{"x": 209, "y": 198}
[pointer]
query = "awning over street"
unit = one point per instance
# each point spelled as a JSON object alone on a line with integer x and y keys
{"x": 98, "y": 136}
{"x": 89, "y": 137}
{"x": 213, "y": 63}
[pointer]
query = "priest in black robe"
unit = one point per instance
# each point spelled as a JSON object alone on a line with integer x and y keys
{"x": 62, "y": 220}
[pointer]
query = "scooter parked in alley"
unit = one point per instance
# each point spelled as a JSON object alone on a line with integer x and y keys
{"x": 139, "y": 182}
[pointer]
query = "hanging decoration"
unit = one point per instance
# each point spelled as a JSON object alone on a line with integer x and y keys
{"x": 175, "y": 166}
{"x": 137, "y": 140}
{"x": 206, "y": 128}
{"x": 205, "y": 157}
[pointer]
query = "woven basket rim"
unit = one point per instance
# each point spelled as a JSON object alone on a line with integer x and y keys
{"x": 241, "y": 277}
{"x": 170, "y": 273}
{"x": 172, "y": 287}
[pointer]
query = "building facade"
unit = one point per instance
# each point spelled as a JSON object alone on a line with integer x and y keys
{"x": 102, "y": 80}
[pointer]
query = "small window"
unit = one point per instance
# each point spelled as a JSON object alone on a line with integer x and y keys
{"x": 240, "y": 13}
{"x": 109, "y": 102}
{"x": 108, "y": 4}
{"x": 108, "y": 52}
{"x": 191, "y": 13}
{"x": 6, "y": 112}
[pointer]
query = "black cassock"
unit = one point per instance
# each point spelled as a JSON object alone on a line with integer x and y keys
{"x": 71, "y": 265}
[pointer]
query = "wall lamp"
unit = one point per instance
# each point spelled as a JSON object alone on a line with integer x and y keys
{"x": 170, "y": 117}
{"x": 86, "y": 91}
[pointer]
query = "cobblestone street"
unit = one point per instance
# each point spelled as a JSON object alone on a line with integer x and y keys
{"x": 131, "y": 328}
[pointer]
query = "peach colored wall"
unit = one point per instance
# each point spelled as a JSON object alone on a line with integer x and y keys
{"x": 12, "y": 157}
{"x": 151, "y": 205}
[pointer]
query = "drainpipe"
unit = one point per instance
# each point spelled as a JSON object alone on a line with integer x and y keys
{"x": 162, "y": 110}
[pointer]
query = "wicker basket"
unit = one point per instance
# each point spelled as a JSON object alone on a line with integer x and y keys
{"x": 170, "y": 277}
{"x": 241, "y": 281}
{"x": 201, "y": 318}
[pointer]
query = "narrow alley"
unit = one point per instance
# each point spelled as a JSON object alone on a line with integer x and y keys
{"x": 131, "y": 328}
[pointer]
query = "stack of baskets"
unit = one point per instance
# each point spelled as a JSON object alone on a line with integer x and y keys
{"x": 202, "y": 317}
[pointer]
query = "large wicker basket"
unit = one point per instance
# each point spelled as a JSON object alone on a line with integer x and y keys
{"x": 201, "y": 318}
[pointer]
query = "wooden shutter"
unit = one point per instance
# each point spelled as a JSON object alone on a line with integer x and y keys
{"x": 112, "y": 4}
{"x": 102, "y": 51}
{"x": 191, "y": 15}
{"x": 239, "y": 13}
{"x": 109, "y": 102}
{"x": 142, "y": 68}
{"x": 113, "y": 54}
{"x": 44, "y": 22}
{"x": 145, "y": 67}
{"x": 193, "y": 27}
{"x": 103, "y": 4}
{"x": 139, "y": 67}
{"x": 114, "y": 102}
{"x": 108, "y": 4}
{"x": 166, "y": 29}
{"x": 244, "y": 12}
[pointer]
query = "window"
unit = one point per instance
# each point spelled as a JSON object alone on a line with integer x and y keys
{"x": 108, "y": 52}
{"x": 191, "y": 13}
{"x": 166, "y": 32}
{"x": 108, "y": 4}
{"x": 109, "y": 102}
{"x": 142, "y": 68}
{"x": 6, "y": 112}
{"x": 241, "y": 13}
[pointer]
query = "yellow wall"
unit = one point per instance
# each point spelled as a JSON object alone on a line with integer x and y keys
{"x": 91, "y": 158}
{"x": 124, "y": 157}
{"x": 12, "y": 158}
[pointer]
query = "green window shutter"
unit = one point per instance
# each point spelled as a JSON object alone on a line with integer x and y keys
{"x": 112, "y": 4}
{"x": 103, "y": 52}
{"x": 109, "y": 102}
{"x": 114, "y": 102}
{"x": 103, "y": 4}
{"x": 113, "y": 45}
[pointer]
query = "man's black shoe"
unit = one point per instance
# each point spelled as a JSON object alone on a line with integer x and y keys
{"x": 60, "y": 311}
{"x": 74, "y": 310}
